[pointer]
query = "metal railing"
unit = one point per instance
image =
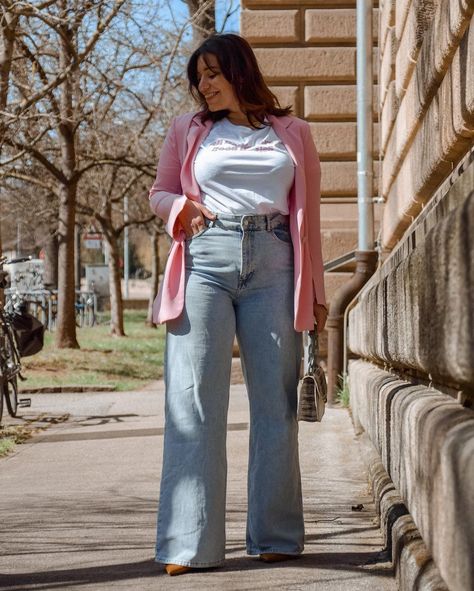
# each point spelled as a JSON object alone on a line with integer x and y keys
{"x": 43, "y": 304}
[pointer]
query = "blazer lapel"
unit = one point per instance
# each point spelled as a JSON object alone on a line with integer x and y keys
{"x": 282, "y": 127}
{"x": 196, "y": 134}
{"x": 291, "y": 137}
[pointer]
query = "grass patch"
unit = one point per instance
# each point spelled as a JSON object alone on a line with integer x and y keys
{"x": 127, "y": 363}
{"x": 7, "y": 444}
{"x": 343, "y": 395}
{"x": 12, "y": 435}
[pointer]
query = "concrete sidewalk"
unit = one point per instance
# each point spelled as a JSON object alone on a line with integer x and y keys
{"x": 78, "y": 503}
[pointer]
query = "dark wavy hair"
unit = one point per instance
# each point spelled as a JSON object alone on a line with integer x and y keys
{"x": 239, "y": 66}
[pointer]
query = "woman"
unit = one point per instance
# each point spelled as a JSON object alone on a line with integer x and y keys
{"x": 238, "y": 187}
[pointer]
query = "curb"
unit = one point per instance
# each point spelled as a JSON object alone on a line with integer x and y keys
{"x": 63, "y": 389}
{"x": 413, "y": 564}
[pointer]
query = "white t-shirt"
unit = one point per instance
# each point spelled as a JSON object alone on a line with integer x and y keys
{"x": 241, "y": 170}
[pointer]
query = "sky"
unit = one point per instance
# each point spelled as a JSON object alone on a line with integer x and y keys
{"x": 233, "y": 23}
{"x": 180, "y": 10}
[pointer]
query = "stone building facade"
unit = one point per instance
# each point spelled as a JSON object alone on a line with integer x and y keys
{"x": 307, "y": 52}
{"x": 411, "y": 330}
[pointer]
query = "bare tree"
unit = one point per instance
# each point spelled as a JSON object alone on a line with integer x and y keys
{"x": 93, "y": 87}
{"x": 203, "y": 16}
{"x": 55, "y": 41}
{"x": 103, "y": 203}
{"x": 144, "y": 89}
{"x": 8, "y": 25}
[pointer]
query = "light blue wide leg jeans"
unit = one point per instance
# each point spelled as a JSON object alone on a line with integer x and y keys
{"x": 239, "y": 280}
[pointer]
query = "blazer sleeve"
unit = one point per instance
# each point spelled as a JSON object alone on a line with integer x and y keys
{"x": 165, "y": 196}
{"x": 313, "y": 200}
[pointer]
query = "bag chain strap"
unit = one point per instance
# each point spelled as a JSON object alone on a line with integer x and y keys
{"x": 313, "y": 350}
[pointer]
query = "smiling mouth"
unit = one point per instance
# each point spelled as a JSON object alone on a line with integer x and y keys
{"x": 212, "y": 95}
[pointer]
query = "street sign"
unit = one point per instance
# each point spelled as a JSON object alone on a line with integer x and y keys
{"x": 92, "y": 241}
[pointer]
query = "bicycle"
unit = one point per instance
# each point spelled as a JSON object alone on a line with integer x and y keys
{"x": 85, "y": 307}
{"x": 10, "y": 362}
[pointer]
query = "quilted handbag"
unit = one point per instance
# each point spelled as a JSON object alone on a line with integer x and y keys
{"x": 313, "y": 387}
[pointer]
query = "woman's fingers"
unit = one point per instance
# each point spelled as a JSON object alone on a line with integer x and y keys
{"x": 189, "y": 218}
{"x": 197, "y": 224}
{"x": 320, "y": 316}
{"x": 192, "y": 217}
{"x": 208, "y": 214}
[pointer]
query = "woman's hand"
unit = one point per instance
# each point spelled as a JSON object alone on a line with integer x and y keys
{"x": 192, "y": 217}
{"x": 320, "y": 315}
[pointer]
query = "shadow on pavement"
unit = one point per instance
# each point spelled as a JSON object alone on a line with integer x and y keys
{"x": 343, "y": 561}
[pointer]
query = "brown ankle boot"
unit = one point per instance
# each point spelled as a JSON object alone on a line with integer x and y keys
{"x": 177, "y": 569}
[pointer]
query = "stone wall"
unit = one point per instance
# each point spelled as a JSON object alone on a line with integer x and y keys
{"x": 426, "y": 96}
{"x": 412, "y": 391}
{"x": 425, "y": 440}
{"x": 417, "y": 311}
{"x": 415, "y": 318}
{"x": 307, "y": 52}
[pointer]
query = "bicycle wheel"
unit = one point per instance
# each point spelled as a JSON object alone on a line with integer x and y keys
{"x": 91, "y": 317}
{"x": 11, "y": 368}
{"x": 11, "y": 395}
{"x": 79, "y": 315}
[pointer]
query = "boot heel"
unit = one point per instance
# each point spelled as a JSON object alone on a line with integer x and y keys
{"x": 177, "y": 569}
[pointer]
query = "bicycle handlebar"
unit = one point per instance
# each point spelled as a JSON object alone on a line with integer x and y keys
{"x": 5, "y": 261}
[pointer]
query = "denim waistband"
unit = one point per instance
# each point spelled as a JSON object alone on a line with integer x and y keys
{"x": 251, "y": 222}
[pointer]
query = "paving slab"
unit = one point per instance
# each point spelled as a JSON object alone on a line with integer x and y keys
{"x": 78, "y": 503}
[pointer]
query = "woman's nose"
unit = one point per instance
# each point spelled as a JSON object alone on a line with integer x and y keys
{"x": 202, "y": 85}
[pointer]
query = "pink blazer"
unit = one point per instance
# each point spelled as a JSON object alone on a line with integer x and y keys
{"x": 175, "y": 182}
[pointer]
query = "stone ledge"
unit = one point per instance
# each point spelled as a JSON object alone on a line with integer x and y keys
{"x": 387, "y": 66}
{"x": 444, "y": 136}
{"x": 401, "y": 14}
{"x": 419, "y": 17}
{"x": 388, "y": 116}
{"x": 451, "y": 194}
{"x": 445, "y": 34}
{"x": 387, "y": 20}
{"x": 419, "y": 315}
{"x": 425, "y": 440}
{"x": 413, "y": 564}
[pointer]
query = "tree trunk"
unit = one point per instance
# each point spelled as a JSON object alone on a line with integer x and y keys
{"x": 50, "y": 247}
{"x": 8, "y": 24}
{"x": 155, "y": 275}
{"x": 116, "y": 301}
{"x": 66, "y": 326}
{"x": 203, "y": 13}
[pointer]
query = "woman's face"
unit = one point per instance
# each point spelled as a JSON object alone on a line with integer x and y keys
{"x": 218, "y": 92}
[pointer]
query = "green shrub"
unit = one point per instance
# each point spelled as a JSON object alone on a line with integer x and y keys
{"x": 343, "y": 395}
